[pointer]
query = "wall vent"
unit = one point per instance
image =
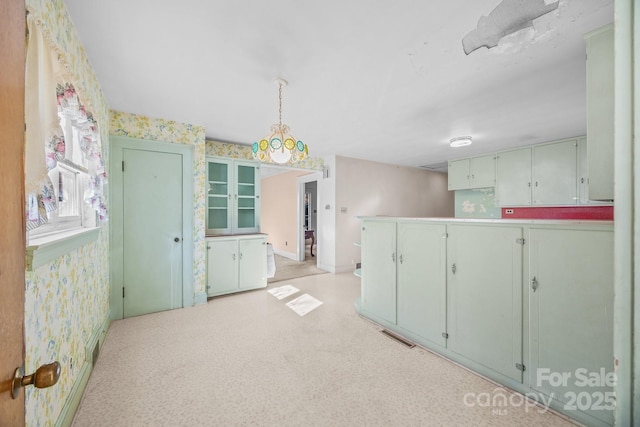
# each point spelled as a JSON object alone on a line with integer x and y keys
{"x": 436, "y": 167}
{"x": 398, "y": 338}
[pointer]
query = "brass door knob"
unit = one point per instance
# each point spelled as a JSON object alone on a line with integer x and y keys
{"x": 45, "y": 376}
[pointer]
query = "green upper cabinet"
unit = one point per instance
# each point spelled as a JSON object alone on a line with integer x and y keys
{"x": 555, "y": 173}
{"x": 541, "y": 175}
{"x": 600, "y": 104}
{"x": 218, "y": 198}
{"x": 475, "y": 172}
{"x": 513, "y": 178}
{"x": 233, "y": 197}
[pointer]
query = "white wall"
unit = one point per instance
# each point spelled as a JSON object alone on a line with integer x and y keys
{"x": 279, "y": 211}
{"x": 326, "y": 236}
{"x": 364, "y": 188}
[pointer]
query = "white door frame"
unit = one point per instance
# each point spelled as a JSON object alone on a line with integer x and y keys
{"x": 302, "y": 180}
{"x": 117, "y": 145}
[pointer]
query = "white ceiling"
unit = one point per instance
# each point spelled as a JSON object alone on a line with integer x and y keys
{"x": 373, "y": 79}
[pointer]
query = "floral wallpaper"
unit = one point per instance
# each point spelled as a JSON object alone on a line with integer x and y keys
{"x": 237, "y": 151}
{"x": 142, "y": 127}
{"x": 477, "y": 203}
{"x": 67, "y": 300}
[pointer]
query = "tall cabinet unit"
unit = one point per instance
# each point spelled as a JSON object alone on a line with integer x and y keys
{"x": 233, "y": 196}
{"x": 484, "y": 281}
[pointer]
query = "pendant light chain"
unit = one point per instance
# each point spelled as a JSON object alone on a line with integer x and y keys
{"x": 280, "y": 103}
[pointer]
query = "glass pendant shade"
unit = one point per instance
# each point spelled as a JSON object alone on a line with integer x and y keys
{"x": 280, "y": 146}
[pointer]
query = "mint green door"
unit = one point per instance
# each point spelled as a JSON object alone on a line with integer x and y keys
{"x": 570, "y": 291}
{"x": 379, "y": 270}
{"x": 484, "y": 292}
{"x": 152, "y": 231}
{"x": 422, "y": 280}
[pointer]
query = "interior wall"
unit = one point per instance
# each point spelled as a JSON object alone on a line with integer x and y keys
{"x": 326, "y": 235}
{"x": 67, "y": 300}
{"x": 365, "y": 188}
{"x": 279, "y": 210}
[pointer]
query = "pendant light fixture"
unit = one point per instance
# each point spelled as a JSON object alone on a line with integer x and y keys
{"x": 280, "y": 146}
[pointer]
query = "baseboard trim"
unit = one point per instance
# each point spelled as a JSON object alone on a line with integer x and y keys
{"x": 289, "y": 255}
{"x": 329, "y": 268}
{"x": 200, "y": 298}
{"x": 73, "y": 400}
{"x": 344, "y": 269}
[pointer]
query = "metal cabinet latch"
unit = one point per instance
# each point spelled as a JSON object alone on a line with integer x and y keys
{"x": 534, "y": 283}
{"x": 453, "y": 268}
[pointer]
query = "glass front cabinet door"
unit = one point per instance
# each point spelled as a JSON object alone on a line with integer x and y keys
{"x": 233, "y": 197}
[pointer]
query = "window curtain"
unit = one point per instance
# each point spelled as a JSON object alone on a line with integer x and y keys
{"x": 48, "y": 98}
{"x": 42, "y": 123}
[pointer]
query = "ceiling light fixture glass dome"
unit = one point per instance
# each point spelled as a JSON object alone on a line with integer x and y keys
{"x": 461, "y": 141}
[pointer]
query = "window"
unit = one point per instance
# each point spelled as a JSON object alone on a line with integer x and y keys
{"x": 70, "y": 197}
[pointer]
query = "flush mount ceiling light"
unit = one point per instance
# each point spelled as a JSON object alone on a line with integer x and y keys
{"x": 461, "y": 141}
{"x": 280, "y": 146}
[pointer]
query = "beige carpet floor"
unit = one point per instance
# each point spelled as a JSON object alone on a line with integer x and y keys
{"x": 287, "y": 268}
{"x": 248, "y": 359}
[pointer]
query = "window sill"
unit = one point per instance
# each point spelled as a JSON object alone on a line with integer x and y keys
{"x": 43, "y": 250}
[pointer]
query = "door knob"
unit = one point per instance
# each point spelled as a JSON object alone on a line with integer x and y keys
{"x": 177, "y": 239}
{"x": 45, "y": 376}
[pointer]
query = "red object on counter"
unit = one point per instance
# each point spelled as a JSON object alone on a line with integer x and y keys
{"x": 601, "y": 213}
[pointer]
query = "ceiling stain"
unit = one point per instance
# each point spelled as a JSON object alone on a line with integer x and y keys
{"x": 507, "y": 18}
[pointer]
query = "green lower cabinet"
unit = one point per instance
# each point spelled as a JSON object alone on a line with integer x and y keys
{"x": 570, "y": 289}
{"x": 421, "y": 281}
{"x": 484, "y": 282}
{"x": 529, "y": 305}
{"x": 378, "y": 296}
{"x": 236, "y": 263}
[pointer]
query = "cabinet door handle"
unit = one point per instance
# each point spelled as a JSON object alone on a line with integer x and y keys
{"x": 528, "y": 184}
{"x": 453, "y": 268}
{"x": 582, "y": 180}
{"x": 534, "y": 284}
{"x": 229, "y": 196}
{"x": 233, "y": 256}
{"x": 400, "y": 258}
{"x": 393, "y": 256}
{"x": 536, "y": 183}
{"x": 240, "y": 255}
